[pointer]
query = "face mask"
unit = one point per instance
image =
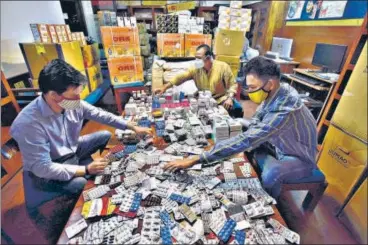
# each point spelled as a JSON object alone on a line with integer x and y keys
{"x": 198, "y": 63}
{"x": 259, "y": 95}
{"x": 69, "y": 104}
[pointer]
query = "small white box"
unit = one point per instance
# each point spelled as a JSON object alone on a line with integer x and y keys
{"x": 236, "y": 4}
{"x": 224, "y": 10}
{"x": 127, "y": 21}
{"x": 120, "y": 21}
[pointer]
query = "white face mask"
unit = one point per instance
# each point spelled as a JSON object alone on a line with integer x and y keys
{"x": 198, "y": 63}
{"x": 69, "y": 104}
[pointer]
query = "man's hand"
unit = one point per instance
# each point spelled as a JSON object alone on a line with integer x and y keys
{"x": 162, "y": 90}
{"x": 97, "y": 166}
{"x": 228, "y": 104}
{"x": 181, "y": 164}
{"x": 142, "y": 130}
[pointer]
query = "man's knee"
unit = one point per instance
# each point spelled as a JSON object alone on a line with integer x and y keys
{"x": 105, "y": 135}
{"x": 75, "y": 185}
{"x": 270, "y": 177}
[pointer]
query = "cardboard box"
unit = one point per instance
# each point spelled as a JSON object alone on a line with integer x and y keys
{"x": 94, "y": 76}
{"x": 60, "y": 33}
{"x": 68, "y": 32}
{"x": 229, "y": 42}
{"x": 91, "y": 55}
{"x": 244, "y": 13}
{"x": 86, "y": 90}
{"x": 224, "y": 10}
{"x": 120, "y": 40}
{"x": 232, "y": 61}
{"x": 224, "y": 22}
{"x": 52, "y": 32}
{"x": 154, "y": 2}
{"x": 238, "y": 24}
{"x": 120, "y": 20}
{"x": 192, "y": 41}
{"x": 170, "y": 45}
{"x": 63, "y": 32}
{"x": 72, "y": 54}
{"x": 125, "y": 69}
{"x": 236, "y": 4}
{"x": 40, "y": 33}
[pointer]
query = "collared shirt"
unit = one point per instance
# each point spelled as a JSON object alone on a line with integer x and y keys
{"x": 44, "y": 136}
{"x": 282, "y": 120}
{"x": 220, "y": 80}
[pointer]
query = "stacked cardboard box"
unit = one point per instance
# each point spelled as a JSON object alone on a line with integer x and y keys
{"x": 122, "y": 50}
{"x": 79, "y": 36}
{"x": 170, "y": 45}
{"x": 235, "y": 18}
{"x": 192, "y": 41}
{"x": 189, "y": 24}
{"x": 37, "y": 55}
{"x": 50, "y": 33}
{"x": 167, "y": 23}
{"x": 125, "y": 69}
{"x": 228, "y": 47}
{"x": 119, "y": 41}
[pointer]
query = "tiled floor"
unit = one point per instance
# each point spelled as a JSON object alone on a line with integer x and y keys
{"x": 317, "y": 227}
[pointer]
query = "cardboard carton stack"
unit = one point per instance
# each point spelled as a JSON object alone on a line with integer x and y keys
{"x": 229, "y": 41}
{"x": 192, "y": 41}
{"x": 122, "y": 50}
{"x": 106, "y": 18}
{"x": 235, "y": 18}
{"x": 170, "y": 45}
{"x": 126, "y": 21}
{"x": 187, "y": 24}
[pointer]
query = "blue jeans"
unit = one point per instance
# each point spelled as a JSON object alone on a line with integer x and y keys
{"x": 275, "y": 172}
{"x": 39, "y": 190}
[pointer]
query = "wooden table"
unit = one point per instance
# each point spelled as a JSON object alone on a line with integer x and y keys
{"x": 119, "y": 91}
{"x": 286, "y": 66}
{"x": 160, "y": 144}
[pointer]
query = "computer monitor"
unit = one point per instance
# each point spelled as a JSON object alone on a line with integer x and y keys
{"x": 329, "y": 56}
{"x": 282, "y": 46}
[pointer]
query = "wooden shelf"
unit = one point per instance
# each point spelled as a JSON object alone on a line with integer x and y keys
{"x": 5, "y": 100}
{"x": 311, "y": 74}
{"x": 338, "y": 96}
{"x": 5, "y": 134}
{"x": 144, "y": 19}
{"x": 316, "y": 87}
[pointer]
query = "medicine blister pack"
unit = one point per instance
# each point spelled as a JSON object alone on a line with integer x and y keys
{"x": 257, "y": 209}
{"x": 229, "y": 177}
{"x": 151, "y": 225}
{"x": 188, "y": 213}
{"x": 246, "y": 170}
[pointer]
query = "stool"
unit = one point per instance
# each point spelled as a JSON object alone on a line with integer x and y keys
{"x": 120, "y": 90}
{"x": 315, "y": 185}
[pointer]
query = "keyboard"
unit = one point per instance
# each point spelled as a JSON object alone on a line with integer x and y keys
{"x": 308, "y": 79}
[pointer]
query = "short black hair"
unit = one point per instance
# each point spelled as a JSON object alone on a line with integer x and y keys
{"x": 58, "y": 76}
{"x": 207, "y": 48}
{"x": 263, "y": 68}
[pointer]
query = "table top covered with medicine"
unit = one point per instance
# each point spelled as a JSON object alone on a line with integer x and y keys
{"x": 135, "y": 201}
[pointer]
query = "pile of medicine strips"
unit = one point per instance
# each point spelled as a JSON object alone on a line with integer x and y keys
{"x": 135, "y": 201}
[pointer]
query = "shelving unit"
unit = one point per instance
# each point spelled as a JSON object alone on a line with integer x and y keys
{"x": 339, "y": 88}
{"x": 154, "y": 10}
{"x": 9, "y": 168}
{"x": 201, "y": 12}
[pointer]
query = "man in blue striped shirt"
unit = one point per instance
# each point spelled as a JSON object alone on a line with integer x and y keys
{"x": 281, "y": 120}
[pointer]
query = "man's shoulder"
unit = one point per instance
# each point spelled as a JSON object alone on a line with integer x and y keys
{"x": 28, "y": 117}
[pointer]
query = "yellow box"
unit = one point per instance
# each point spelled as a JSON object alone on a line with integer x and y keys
{"x": 94, "y": 76}
{"x": 91, "y": 54}
{"x": 154, "y": 3}
{"x": 120, "y": 40}
{"x": 232, "y": 61}
{"x": 125, "y": 69}
{"x": 192, "y": 41}
{"x": 170, "y": 45}
{"x": 72, "y": 54}
{"x": 342, "y": 160}
{"x": 229, "y": 42}
{"x": 36, "y": 60}
{"x": 351, "y": 112}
